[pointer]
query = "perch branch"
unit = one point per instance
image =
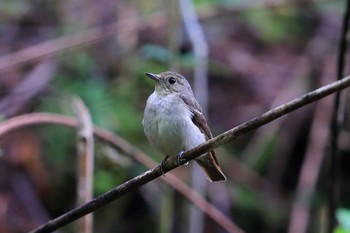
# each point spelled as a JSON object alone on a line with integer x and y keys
{"x": 172, "y": 163}
{"x": 120, "y": 144}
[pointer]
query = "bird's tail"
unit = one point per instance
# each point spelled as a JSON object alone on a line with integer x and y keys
{"x": 210, "y": 167}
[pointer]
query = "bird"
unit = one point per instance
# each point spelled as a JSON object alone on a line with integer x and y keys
{"x": 174, "y": 122}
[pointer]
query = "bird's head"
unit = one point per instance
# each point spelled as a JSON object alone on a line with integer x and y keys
{"x": 170, "y": 82}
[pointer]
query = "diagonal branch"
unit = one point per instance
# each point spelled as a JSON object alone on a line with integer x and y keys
{"x": 127, "y": 149}
{"x": 172, "y": 163}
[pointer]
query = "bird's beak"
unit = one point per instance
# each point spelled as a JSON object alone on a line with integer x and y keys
{"x": 153, "y": 76}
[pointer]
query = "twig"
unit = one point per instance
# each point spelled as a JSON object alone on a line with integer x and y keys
{"x": 172, "y": 163}
{"x": 85, "y": 170}
{"x": 126, "y": 148}
{"x": 335, "y": 125}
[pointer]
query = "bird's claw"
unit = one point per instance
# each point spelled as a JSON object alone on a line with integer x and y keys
{"x": 180, "y": 159}
{"x": 162, "y": 165}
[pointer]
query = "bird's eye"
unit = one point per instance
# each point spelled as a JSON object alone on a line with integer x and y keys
{"x": 172, "y": 80}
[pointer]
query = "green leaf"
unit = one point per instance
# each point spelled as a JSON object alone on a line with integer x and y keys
{"x": 343, "y": 217}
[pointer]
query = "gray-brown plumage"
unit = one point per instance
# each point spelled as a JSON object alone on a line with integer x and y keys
{"x": 174, "y": 122}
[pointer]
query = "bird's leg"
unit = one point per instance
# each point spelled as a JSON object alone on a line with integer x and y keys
{"x": 180, "y": 159}
{"x": 162, "y": 164}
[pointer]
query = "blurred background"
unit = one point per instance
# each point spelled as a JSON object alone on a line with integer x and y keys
{"x": 261, "y": 54}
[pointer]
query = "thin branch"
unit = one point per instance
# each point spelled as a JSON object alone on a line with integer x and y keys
{"x": 85, "y": 168}
{"x": 336, "y": 123}
{"x": 126, "y": 148}
{"x": 172, "y": 163}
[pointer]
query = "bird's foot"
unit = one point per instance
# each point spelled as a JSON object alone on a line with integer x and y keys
{"x": 180, "y": 159}
{"x": 162, "y": 165}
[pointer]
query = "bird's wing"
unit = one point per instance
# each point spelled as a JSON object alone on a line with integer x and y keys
{"x": 198, "y": 117}
{"x": 208, "y": 163}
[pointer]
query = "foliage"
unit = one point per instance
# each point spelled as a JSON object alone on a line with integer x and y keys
{"x": 343, "y": 217}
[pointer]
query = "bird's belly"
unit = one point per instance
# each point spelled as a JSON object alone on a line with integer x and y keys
{"x": 169, "y": 127}
{"x": 177, "y": 134}
{"x": 170, "y": 136}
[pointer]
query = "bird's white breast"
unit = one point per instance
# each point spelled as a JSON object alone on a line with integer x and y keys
{"x": 168, "y": 124}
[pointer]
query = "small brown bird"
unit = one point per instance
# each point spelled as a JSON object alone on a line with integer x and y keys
{"x": 173, "y": 121}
